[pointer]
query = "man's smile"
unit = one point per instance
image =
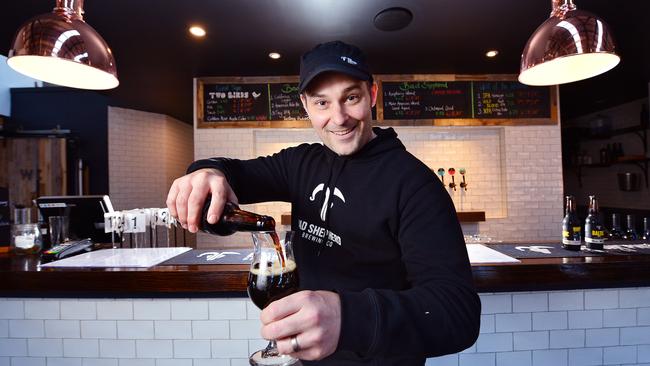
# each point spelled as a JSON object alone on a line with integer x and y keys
{"x": 344, "y": 132}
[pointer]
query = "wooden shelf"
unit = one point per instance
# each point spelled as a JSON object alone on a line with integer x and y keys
{"x": 463, "y": 216}
{"x": 641, "y": 162}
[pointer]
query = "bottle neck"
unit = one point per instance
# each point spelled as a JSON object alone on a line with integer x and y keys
{"x": 593, "y": 205}
{"x": 245, "y": 220}
{"x": 570, "y": 206}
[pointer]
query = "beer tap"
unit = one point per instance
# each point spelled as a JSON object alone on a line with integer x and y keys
{"x": 441, "y": 173}
{"x": 451, "y": 172}
{"x": 463, "y": 184}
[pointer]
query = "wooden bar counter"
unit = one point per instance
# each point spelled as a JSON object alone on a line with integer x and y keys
{"x": 21, "y": 276}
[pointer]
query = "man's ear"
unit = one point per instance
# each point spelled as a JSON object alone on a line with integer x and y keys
{"x": 373, "y": 93}
{"x": 303, "y": 99}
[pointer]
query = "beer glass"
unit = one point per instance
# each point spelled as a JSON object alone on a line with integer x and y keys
{"x": 272, "y": 275}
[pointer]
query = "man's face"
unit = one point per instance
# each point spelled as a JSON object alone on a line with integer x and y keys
{"x": 339, "y": 108}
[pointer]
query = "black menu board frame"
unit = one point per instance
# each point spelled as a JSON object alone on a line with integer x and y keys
{"x": 264, "y": 101}
{"x": 449, "y": 87}
{"x": 444, "y": 105}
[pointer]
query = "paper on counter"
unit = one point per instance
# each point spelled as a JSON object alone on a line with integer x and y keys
{"x": 479, "y": 253}
{"x": 147, "y": 257}
{"x": 136, "y": 257}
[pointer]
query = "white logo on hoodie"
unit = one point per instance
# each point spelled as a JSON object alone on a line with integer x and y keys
{"x": 326, "y": 203}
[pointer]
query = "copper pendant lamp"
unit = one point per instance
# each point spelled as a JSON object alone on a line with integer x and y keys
{"x": 60, "y": 48}
{"x": 571, "y": 45}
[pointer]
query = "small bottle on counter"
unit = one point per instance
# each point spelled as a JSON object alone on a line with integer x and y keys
{"x": 571, "y": 227}
{"x": 234, "y": 219}
{"x": 630, "y": 232}
{"x": 616, "y": 233}
{"x": 646, "y": 228}
{"x": 594, "y": 228}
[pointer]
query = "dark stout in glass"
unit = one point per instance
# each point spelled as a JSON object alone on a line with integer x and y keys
{"x": 272, "y": 282}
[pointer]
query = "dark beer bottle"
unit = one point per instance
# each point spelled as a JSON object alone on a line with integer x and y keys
{"x": 234, "y": 219}
{"x": 594, "y": 228}
{"x": 646, "y": 228}
{"x": 571, "y": 228}
{"x": 616, "y": 233}
{"x": 630, "y": 232}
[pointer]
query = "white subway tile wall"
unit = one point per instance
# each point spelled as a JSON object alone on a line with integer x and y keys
{"x": 514, "y": 173}
{"x": 230, "y": 331}
{"x": 147, "y": 151}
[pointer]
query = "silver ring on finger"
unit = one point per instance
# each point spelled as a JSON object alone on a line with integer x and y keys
{"x": 294, "y": 344}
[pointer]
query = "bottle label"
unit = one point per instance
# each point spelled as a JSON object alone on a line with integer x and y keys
{"x": 595, "y": 240}
{"x": 571, "y": 242}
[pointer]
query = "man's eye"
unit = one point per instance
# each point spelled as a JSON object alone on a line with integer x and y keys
{"x": 353, "y": 97}
{"x": 321, "y": 103}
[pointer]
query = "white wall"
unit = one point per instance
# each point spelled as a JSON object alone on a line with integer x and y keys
{"x": 514, "y": 172}
{"x": 147, "y": 151}
{"x": 11, "y": 79}
{"x": 560, "y": 328}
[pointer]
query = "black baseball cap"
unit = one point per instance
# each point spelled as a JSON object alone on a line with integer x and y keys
{"x": 333, "y": 56}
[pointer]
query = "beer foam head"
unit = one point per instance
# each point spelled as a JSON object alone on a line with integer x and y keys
{"x": 274, "y": 269}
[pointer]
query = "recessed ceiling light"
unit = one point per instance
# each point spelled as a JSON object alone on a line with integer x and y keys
{"x": 491, "y": 53}
{"x": 275, "y": 55}
{"x": 197, "y": 31}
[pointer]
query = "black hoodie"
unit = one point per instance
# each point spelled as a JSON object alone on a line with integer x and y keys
{"x": 378, "y": 228}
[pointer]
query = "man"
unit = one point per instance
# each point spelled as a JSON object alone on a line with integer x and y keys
{"x": 384, "y": 272}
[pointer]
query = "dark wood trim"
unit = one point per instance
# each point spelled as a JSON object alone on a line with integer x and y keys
{"x": 20, "y": 276}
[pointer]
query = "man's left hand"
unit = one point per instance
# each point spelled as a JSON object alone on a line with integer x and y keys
{"x": 313, "y": 317}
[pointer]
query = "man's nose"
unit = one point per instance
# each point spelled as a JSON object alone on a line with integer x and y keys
{"x": 339, "y": 114}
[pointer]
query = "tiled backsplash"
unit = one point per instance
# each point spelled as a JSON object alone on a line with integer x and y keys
{"x": 514, "y": 173}
{"x": 147, "y": 151}
{"x": 579, "y": 327}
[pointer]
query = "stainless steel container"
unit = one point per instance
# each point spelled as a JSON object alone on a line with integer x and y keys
{"x": 628, "y": 181}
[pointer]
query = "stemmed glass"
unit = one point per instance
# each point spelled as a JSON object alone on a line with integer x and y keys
{"x": 273, "y": 275}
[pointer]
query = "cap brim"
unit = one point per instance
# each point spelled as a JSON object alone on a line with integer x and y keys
{"x": 350, "y": 71}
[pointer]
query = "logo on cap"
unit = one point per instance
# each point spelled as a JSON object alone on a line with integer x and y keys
{"x": 348, "y": 60}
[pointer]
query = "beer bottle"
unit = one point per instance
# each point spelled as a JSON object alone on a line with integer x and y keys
{"x": 594, "y": 228}
{"x": 571, "y": 228}
{"x": 646, "y": 228}
{"x": 616, "y": 233}
{"x": 234, "y": 219}
{"x": 630, "y": 232}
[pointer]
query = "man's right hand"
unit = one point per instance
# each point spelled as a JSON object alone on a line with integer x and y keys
{"x": 188, "y": 193}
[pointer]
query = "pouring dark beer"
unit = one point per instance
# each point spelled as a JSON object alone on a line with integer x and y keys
{"x": 271, "y": 282}
{"x": 273, "y": 275}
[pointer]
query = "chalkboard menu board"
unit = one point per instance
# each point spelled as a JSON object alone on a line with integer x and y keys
{"x": 274, "y": 101}
{"x": 235, "y": 102}
{"x": 285, "y": 102}
{"x": 464, "y": 99}
{"x": 510, "y": 99}
{"x": 426, "y": 99}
